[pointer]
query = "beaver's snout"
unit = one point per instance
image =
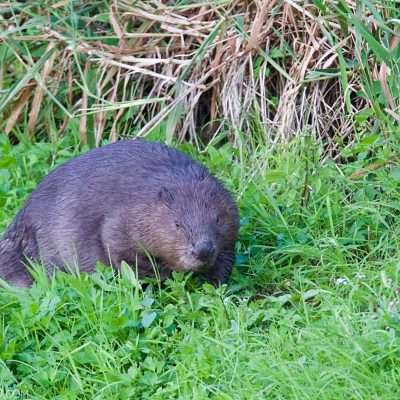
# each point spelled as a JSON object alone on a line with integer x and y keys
{"x": 204, "y": 251}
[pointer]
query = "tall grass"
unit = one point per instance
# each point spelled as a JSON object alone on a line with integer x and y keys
{"x": 196, "y": 70}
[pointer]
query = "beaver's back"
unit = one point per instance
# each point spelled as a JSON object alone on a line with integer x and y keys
{"x": 133, "y": 163}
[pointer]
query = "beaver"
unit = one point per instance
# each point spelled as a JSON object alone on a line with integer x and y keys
{"x": 121, "y": 202}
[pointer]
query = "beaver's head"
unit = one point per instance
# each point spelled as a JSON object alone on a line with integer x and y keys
{"x": 194, "y": 222}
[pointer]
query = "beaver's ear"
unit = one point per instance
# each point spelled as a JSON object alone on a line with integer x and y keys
{"x": 166, "y": 195}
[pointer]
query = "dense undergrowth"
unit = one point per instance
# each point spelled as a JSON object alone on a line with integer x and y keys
{"x": 311, "y": 312}
{"x": 197, "y": 69}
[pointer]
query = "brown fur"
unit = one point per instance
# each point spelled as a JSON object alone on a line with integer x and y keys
{"x": 111, "y": 203}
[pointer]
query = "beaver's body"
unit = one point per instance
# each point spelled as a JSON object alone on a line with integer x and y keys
{"x": 111, "y": 203}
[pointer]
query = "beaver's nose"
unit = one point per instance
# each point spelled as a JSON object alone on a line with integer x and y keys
{"x": 204, "y": 251}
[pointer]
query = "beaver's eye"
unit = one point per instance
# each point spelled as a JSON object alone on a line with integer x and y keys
{"x": 217, "y": 219}
{"x": 177, "y": 225}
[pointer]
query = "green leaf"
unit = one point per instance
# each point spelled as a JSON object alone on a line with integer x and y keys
{"x": 381, "y": 52}
{"x": 395, "y": 174}
{"x": 148, "y": 318}
{"x": 276, "y": 53}
{"x": 276, "y": 176}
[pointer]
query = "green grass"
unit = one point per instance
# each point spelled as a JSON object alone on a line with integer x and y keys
{"x": 311, "y": 311}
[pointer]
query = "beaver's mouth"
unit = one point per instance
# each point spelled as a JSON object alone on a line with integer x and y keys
{"x": 190, "y": 263}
